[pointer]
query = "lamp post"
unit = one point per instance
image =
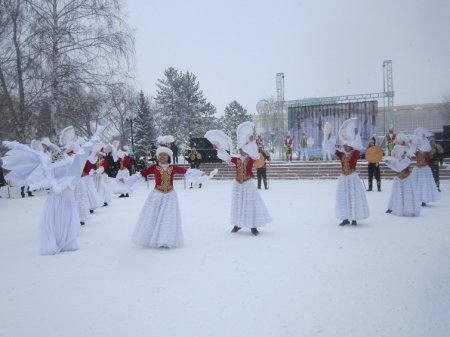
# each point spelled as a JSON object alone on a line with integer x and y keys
{"x": 131, "y": 119}
{"x": 272, "y": 138}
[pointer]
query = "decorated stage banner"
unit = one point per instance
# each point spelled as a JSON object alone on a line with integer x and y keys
{"x": 312, "y": 118}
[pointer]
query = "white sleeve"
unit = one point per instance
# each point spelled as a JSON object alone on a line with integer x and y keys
{"x": 134, "y": 181}
{"x": 329, "y": 146}
{"x": 223, "y": 155}
{"x": 252, "y": 150}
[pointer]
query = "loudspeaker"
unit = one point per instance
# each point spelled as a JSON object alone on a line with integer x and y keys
{"x": 200, "y": 143}
{"x": 446, "y": 133}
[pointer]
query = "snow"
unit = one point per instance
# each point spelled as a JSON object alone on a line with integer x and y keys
{"x": 303, "y": 276}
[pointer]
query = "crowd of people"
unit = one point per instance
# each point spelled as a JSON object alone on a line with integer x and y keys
{"x": 82, "y": 176}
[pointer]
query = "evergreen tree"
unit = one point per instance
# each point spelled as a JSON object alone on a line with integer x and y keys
{"x": 167, "y": 97}
{"x": 184, "y": 111}
{"x": 199, "y": 114}
{"x": 145, "y": 132}
{"x": 235, "y": 114}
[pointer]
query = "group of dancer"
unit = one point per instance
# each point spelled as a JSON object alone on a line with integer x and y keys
{"x": 412, "y": 187}
{"x": 68, "y": 174}
{"x": 75, "y": 175}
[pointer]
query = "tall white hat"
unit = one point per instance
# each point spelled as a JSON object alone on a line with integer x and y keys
{"x": 164, "y": 142}
{"x": 244, "y": 133}
{"x": 347, "y": 134}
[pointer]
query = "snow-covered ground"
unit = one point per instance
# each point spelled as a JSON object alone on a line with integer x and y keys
{"x": 303, "y": 276}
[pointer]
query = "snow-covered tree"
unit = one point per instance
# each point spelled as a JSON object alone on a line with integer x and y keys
{"x": 144, "y": 124}
{"x": 167, "y": 97}
{"x": 185, "y": 112}
{"x": 235, "y": 114}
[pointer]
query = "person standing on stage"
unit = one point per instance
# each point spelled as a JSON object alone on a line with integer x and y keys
{"x": 390, "y": 139}
{"x": 328, "y": 142}
{"x": 304, "y": 147}
{"x": 289, "y": 144}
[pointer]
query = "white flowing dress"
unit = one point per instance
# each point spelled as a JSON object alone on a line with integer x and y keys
{"x": 159, "y": 223}
{"x": 351, "y": 202}
{"x": 247, "y": 207}
{"x": 425, "y": 185}
{"x": 404, "y": 199}
{"x": 59, "y": 223}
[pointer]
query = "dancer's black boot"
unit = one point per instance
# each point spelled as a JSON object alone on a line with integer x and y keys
{"x": 345, "y": 222}
{"x": 235, "y": 229}
{"x": 255, "y": 232}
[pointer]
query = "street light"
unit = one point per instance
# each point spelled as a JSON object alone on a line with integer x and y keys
{"x": 131, "y": 119}
{"x": 272, "y": 138}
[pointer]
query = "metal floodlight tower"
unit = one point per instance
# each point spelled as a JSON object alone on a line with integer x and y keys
{"x": 388, "y": 87}
{"x": 280, "y": 106}
{"x": 280, "y": 87}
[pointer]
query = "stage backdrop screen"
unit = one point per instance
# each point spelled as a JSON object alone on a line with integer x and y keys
{"x": 311, "y": 119}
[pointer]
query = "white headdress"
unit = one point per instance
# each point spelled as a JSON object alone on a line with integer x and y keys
{"x": 67, "y": 135}
{"x": 164, "y": 142}
{"x": 398, "y": 160}
{"x": 326, "y": 129}
{"x": 245, "y": 139}
{"x": 399, "y": 151}
{"x": 69, "y": 140}
{"x": 348, "y": 135}
{"x": 402, "y": 139}
{"x": 244, "y": 133}
{"x": 219, "y": 139}
{"x": 55, "y": 152}
{"x": 36, "y": 145}
{"x": 423, "y": 144}
{"x": 108, "y": 148}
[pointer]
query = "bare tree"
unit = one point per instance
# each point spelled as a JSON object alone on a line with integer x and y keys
{"x": 121, "y": 104}
{"x": 80, "y": 43}
{"x": 15, "y": 61}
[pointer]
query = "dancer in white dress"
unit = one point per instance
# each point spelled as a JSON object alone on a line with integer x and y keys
{"x": 101, "y": 179}
{"x": 59, "y": 222}
{"x": 122, "y": 175}
{"x": 328, "y": 143}
{"x": 404, "y": 199}
{"x": 247, "y": 207}
{"x": 351, "y": 202}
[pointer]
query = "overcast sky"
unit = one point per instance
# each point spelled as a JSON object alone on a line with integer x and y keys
{"x": 323, "y": 47}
